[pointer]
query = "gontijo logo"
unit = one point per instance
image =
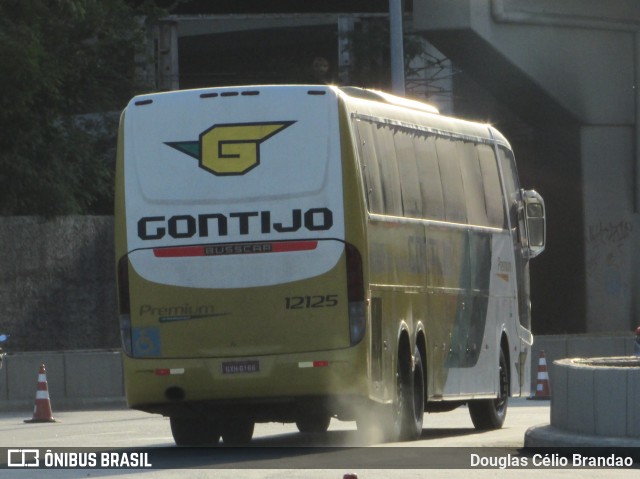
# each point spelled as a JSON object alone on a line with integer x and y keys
{"x": 231, "y": 148}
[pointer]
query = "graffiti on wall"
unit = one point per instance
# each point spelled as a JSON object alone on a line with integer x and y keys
{"x": 610, "y": 233}
{"x": 606, "y": 253}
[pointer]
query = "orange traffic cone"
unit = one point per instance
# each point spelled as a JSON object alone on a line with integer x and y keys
{"x": 42, "y": 408}
{"x": 543, "y": 390}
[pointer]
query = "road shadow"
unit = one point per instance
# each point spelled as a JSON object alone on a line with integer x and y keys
{"x": 336, "y": 449}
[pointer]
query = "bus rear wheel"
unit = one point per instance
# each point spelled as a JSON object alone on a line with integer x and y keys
{"x": 488, "y": 414}
{"x": 412, "y": 413}
{"x": 237, "y": 432}
{"x": 188, "y": 431}
{"x": 316, "y": 423}
{"x": 402, "y": 420}
{"x": 408, "y": 410}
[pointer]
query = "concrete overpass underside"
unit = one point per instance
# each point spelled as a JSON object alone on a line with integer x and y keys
{"x": 570, "y": 70}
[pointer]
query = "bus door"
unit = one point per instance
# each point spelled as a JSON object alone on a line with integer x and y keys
{"x": 518, "y": 230}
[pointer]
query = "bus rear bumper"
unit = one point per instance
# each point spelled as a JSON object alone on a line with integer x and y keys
{"x": 265, "y": 388}
{"x": 267, "y": 409}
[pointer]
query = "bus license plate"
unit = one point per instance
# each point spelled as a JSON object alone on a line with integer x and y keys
{"x": 241, "y": 367}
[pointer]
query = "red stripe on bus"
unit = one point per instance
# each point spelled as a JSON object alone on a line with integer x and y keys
{"x": 294, "y": 246}
{"x": 194, "y": 251}
{"x": 178, "y": 252}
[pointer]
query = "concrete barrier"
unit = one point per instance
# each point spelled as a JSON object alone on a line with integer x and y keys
{"x": 594, "y": 404}
{"x": 75, "y": 379}
{"x": 88, "y": 379}
{"x": 597, "y": 396}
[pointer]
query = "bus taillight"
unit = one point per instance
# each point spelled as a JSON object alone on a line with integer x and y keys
{"x": 124, "y": 305}
{"x": 355, "y": 293}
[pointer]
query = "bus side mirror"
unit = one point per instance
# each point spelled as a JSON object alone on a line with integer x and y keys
{"x": 536, "y": 222}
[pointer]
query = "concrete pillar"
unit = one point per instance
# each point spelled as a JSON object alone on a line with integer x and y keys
{"x": 397, "y": 48}
{"x": 565, "y": 64}
{"x": 345, "y": 54}
{"x": 166, "y": 55}
{"x": 611, "y": 235}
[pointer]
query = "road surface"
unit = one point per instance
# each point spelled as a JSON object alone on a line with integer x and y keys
{"x": 449, "y": 443}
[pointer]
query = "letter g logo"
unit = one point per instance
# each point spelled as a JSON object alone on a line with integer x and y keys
{"x": 232, "y": 148}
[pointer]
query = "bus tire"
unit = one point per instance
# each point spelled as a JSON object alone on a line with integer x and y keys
{"x": 488, "y": 414}
{"x": 408, "y": 410}
{"x": 315, "y": 423}
{"x": 237, "y": 432}
{"x": 419, "y": 389}
{"x": 189, "y": 431}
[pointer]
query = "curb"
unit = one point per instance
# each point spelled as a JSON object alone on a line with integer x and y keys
{"x": 544, "y": 436}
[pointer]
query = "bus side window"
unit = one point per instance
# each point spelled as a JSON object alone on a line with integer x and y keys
{"x": 429, "y": 175}
{"x": 492, "y": 190}
{"x": 386, "y": 153}
{"x": 408, "y": 170}
{"x": 371, "y": 172}
{"x": 451, "y": 176}
{"x": 473, "y": 185}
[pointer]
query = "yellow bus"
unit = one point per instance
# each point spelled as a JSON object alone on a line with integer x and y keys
{"x": 301, "y": 253}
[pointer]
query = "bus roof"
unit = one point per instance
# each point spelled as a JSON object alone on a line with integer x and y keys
{"x": 374, "y": 102}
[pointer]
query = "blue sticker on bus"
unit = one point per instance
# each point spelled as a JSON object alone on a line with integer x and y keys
{"x": 146, "y": 342}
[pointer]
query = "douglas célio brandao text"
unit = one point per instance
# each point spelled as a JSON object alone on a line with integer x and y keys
{"x": 549, "y": 460}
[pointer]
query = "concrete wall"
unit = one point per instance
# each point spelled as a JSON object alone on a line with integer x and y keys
{"x": 57, "y": 283}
